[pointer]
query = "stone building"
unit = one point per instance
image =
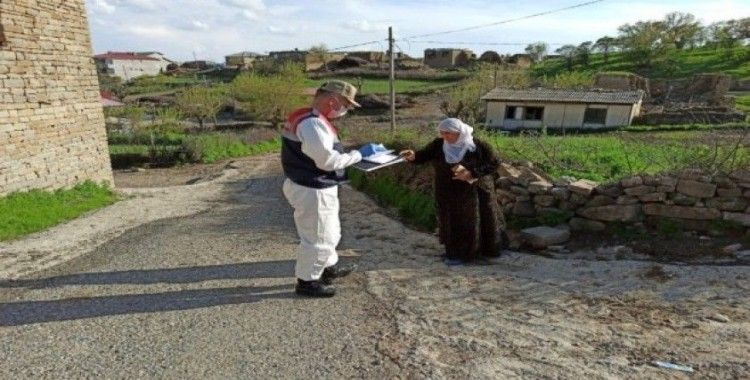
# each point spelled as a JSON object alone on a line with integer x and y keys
{"x": 243, "y": 59}
{"x": 51, "y": 122}
{"x": 446, "y": 58}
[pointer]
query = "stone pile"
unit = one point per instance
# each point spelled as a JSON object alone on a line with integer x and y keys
{"x": 697, "y": 200}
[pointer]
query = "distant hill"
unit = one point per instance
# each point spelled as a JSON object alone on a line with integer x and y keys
{"x": 735, "y": 62}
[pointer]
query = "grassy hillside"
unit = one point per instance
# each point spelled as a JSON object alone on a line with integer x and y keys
{"x": 735, "y": 62}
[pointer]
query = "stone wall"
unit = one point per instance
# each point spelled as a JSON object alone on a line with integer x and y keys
{"x": 51, "y": 122}
{"x": 697, "y": 200}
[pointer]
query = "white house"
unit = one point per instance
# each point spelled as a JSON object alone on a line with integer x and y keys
{"x": 127, "y": 65}
{"x": 512, "y": 109}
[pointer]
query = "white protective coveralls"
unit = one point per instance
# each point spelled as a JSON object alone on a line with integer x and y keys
{"x": 316, "y": 211}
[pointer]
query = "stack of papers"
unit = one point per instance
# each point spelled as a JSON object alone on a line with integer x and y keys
{"x": 378, "y": 160}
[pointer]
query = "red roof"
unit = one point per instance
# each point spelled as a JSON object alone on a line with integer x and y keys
{"x": 124, "y": 56}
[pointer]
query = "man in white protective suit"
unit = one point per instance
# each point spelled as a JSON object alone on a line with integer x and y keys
{"x": 314, "y": 161}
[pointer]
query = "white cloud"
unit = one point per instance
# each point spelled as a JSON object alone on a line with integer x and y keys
{"x": 152, "y": 31}
{"x": 365, "y": 26}
{"x": 284, "y": 10}
{"x": 199, "y": 25}
{"x": 250, "y": 15}
{"x": 255, "y": 5}
{"x": 287, "y": 31}
{"x": 104, "y": 6}
{"x": 148, "y": 5}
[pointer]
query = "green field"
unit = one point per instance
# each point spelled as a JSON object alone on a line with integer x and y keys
{"x": 27, "y": 212}
{"x": 602, "y": 156}
{"x": 743, "y": 103}
{"x": 380, "y": 85}
{"x": 735, "y": 62}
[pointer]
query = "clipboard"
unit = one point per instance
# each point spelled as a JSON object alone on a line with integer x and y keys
{"x": 378, "y": 161}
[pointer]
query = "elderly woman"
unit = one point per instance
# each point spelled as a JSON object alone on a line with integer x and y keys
{"x": 468, "y": 220}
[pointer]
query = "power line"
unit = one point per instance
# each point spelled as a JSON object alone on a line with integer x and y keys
{"x": 408, "y": 39}
{"x": 579, "y": 5}
{"x": 484, "y": 43}
{"x": 360, "y": 44}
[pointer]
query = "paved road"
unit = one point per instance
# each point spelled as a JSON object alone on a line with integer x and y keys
{"x": 210, "y": 295}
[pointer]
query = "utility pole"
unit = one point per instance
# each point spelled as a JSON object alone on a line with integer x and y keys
{"x": 392, "y": 79}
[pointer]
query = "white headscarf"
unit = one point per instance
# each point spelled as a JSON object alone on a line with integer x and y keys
{"x": 454, "y": 153}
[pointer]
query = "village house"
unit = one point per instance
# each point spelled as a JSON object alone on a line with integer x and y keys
{"x": 157, "y": 55}
{"x": 243, "y": 59}
{"x": 511, "y": 109}
{"x": 369, "y": 56}
{"x": 310, "y": 61}
{"x": 445, "y": 58}
{"x": 129, "y": 65}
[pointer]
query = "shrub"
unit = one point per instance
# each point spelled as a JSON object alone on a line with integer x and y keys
{"x": 272, "y": 96}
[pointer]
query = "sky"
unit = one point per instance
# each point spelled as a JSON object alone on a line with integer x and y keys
{"x": 211, "y": 29}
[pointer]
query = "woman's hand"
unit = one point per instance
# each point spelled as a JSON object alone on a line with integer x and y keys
{"x": 460, "y": 173}
{"x": 408, "y": 155}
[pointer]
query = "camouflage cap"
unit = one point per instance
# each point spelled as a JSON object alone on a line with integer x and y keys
{"x": 345, "y": 89}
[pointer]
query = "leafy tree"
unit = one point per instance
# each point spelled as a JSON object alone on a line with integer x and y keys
{"x": 680, "y": 29}
{"x": 605, "y": 45}
{"x": 568, "y": 52}
{"x": 583, "y": 53}
{"x": 642, "y": 42}
{"x": 728, "y": 34}
{"x": 537, "y": 50}
{"x": 272, "y": 96}
{"x": 201, "y": 102}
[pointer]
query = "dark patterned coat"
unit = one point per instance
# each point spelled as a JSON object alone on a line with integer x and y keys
{"x": 468, "y": 219}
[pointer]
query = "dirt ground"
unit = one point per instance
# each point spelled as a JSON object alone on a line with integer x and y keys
{"x": 570, "y": 315}
{"x": 575, "y": 314}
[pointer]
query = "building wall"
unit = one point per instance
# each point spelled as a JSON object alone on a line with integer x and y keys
{"x": 558, "y": 115}
{"x": 441, "y": 59}
{"x": 51, "y": 122}
{"x": 131, "y": 68}
{"x": 240, "y": 61}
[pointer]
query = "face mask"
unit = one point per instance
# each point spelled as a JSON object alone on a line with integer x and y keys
{"x": 337, "y": 113}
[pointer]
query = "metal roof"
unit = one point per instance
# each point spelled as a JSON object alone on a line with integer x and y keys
{"x": 565, "y": 96}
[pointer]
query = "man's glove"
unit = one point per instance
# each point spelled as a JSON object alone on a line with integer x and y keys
{"x": 370, "y": 149}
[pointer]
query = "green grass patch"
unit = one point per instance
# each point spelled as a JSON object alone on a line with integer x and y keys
{"x": 209, "y": 148}
{"x": 684, "y": 63}
{"x": 380, "y": 85}
{"x": 743, "y": 103}
{"x": 23, "y": 213}
{"x": 599, "y": 156}
{"x": 415, "y": 207}
{"x": 684, "y": 127}
{"x": 611, "y": 156}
